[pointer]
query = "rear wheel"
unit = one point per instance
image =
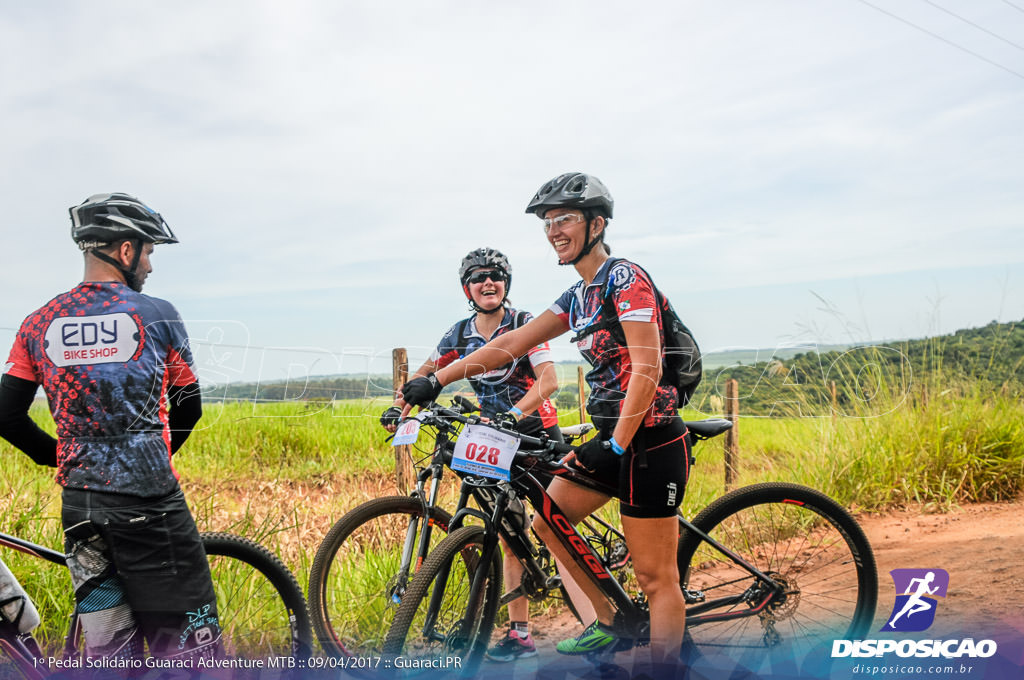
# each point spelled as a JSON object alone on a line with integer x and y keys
{"x": 259, "y": 603}
{"x": 813, "y": 551}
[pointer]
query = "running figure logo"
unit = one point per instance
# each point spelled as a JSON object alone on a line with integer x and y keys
{"x": 915, "y": 609}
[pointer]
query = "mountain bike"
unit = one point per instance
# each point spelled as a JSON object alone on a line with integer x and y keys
{"x": 367, "y": 559}
{"x": 768, "y": 571}
{"x": 260, "y": 606}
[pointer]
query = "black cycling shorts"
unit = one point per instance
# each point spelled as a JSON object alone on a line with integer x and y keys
{"x": 139, "y": 571}
{"x": 650, "y": 477}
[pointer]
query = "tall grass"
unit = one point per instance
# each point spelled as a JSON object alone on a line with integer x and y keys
{"x": 283, "y": 473}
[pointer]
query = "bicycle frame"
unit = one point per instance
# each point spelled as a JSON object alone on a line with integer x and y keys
{"x": 23, "y": 649}
{"x": 434, "y": 471}
{"x": 632, "y": 615}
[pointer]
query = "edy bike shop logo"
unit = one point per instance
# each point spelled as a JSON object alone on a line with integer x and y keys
{"x": 918, "y": 593}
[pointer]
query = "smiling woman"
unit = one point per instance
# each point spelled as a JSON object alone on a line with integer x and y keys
{"x": 621, "y": 322}
{"x": 515, "y": 392}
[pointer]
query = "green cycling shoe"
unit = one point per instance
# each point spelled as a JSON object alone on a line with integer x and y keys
{"x": 594, "y": 638}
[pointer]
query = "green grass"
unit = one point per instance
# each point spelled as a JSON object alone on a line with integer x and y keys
{"x": 283, "y": 473}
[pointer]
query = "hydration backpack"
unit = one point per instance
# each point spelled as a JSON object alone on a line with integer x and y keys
{"x": 682, "y": 364}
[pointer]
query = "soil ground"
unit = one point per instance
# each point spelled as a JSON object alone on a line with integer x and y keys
{"x": 980, "y": 545}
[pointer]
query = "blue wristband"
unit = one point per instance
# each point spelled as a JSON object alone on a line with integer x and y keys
{"x": 615, "y": 447}
{"x": 516, "y": 411}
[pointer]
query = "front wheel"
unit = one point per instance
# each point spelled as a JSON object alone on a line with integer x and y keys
{"x": 362, "y": 569}
{"x": 260, "y": 604}
{"x": 438, "y": 626}
{"x": 818, "y": 559}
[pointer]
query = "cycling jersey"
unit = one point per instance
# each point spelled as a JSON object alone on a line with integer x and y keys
{"x": 635, "y": 300}
{"x": 106, "y": 355}
{"x": 500, "y": 389}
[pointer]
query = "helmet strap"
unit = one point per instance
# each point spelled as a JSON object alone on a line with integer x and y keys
{"x": 481, "y": 310}
{"x": 130, "y": 277}
{"x": 588, "y": 243}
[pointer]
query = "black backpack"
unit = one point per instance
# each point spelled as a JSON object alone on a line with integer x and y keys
{"x": 682, "y": 367}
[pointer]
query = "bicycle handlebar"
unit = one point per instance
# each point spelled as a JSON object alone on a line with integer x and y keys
{"x": 539, "y": 445}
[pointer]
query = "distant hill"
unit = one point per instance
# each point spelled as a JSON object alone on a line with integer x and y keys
{"x": 872, "y": 377}
{"x": 772, "y": 380}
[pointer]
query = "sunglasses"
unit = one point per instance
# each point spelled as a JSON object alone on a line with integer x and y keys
{"x": 492, "y": 274}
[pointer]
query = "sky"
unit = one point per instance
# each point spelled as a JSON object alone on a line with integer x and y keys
{"x": 788, "y": 172}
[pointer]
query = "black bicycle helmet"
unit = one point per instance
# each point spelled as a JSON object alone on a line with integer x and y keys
{"x": 575, "y": 190}
{"x": 479, "y": 259}
{"x": 578, "y": 191}
{"x": 102, "y": 219}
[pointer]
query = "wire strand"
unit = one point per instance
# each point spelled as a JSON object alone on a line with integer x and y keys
{"x": 971, "y": 23}
{"x": 1016, "y": 7}
{"x": 945, "y": 40}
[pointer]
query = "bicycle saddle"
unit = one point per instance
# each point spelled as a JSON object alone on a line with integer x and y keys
{"x": 706, "y": 429}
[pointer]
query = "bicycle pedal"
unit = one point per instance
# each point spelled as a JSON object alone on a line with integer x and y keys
{"x": 623, "y": 644}
{"x": 511, "y": 595}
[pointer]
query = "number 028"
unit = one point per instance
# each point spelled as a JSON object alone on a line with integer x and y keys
{"x": 482, "y": 453}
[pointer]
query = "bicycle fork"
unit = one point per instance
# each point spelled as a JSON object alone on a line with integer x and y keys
{"x": 480, "y": 574}
{"x": 406, "y": 568}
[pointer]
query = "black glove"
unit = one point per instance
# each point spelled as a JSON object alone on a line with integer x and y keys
{"x": 421, "y": 391}
{"x": 591, "y": 452}
{"x": 391, "y": 416}
{"x": 507, "y": 419}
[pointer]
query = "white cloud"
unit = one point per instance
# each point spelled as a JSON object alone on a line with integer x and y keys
{"x": 348, "y": 153}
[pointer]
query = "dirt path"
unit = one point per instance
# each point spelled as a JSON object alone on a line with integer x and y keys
{"x": 980, "y": 545}
{"x": 982, "y": 548}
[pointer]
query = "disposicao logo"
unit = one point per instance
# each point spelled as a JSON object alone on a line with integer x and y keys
{"x": 916, "y": 601}
{"x": 914, "y": 610}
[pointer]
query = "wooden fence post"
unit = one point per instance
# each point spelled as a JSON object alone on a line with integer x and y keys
{"x": 579, "y": 385}
{"x": 404, "y": 473}
{"x": 732, "y": 437}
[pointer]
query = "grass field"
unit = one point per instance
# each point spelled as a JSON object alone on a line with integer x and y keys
{"x": 283, "y": 473}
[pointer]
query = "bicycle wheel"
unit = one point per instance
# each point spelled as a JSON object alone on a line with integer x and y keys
{"x": 802, "y": 540}
{"x": 435, "y": 628}
{"x": 357, "y": 582}
{"x": 260, "y": 604}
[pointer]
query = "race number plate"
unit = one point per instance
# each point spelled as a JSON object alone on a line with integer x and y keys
{"x": 484, "y": 451}
{"x": 407, "y": 432}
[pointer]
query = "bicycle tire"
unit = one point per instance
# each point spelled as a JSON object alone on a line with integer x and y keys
{"x": 351, "y": 588}
{"x": 445, "y": 647}
{"x": 798, "y": 536}
{"x": 260, "y": 605}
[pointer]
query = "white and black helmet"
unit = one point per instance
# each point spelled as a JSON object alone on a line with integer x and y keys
{"x": 576, "y": 190}
{"x": 484, "y": 258}
{"x": 102, "y": 219}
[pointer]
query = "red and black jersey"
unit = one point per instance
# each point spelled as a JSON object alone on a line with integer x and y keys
{"x": 105, "y": 356}
{"x": 634, "y": 299}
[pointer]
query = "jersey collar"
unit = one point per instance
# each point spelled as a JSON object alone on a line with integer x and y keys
{"x": 471, "y": 326}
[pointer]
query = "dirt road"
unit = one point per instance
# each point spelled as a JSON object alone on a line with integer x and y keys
{"x": 980, "y": 545}
{"x": 982, "y": 548}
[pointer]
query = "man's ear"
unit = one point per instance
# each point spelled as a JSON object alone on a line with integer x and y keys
{"x": 125, "y": 253}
